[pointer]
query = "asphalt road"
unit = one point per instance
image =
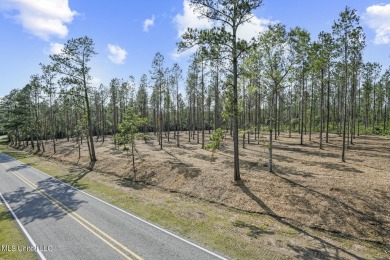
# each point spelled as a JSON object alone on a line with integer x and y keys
{"x": 62, "y": 222}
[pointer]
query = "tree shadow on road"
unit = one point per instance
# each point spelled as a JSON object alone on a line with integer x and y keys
{"x": 49, "y": 199}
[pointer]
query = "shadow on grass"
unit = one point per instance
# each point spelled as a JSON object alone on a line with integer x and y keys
{"x": 189, "y": 170}
{"x": 73, "y": 179}
{"x": 301, "y": 251}
{"x": 203, "y": 157}
{"x": 292, "y": 171}
{"x": 37, "y": 152}
{"x": 351, "y": 211}
{"x": 16, "y": 154}
{"x": 306, "y": 150}
{"x": 311, "y": 253}
{"x": 5, "y": 215}
{"x": 129, "y": 183}
{"x": 254, "y": 231}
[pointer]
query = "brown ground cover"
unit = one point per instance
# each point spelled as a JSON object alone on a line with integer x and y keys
{"x": 308, "y": 188}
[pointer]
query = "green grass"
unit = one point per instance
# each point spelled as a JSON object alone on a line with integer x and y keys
{"x": 235, "y": 233}
{"x": 288, "y": 231}
{"x": 214, "y": 228}
{"x": 196, "y": 229}
{"x": 11, "y": 236}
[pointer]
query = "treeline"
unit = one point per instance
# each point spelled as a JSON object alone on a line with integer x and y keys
{"x": 281, "y": 81}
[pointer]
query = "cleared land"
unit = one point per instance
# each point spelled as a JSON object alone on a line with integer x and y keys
{"x": 311, "y": 206}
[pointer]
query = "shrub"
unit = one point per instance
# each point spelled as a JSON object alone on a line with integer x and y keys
{"x": 216, "y": 139}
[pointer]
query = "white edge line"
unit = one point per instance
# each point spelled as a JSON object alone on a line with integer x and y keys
{"x": 123, "y": 211}
{"x": 23, "y": 229}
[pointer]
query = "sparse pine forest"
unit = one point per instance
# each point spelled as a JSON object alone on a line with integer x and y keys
{"x": 284, "y": 80}
{"x": 290, "y": 125}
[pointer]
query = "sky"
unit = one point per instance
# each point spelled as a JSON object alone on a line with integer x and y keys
{"x": 127, "y": 34}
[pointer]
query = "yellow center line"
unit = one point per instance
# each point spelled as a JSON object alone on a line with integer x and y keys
{"x": 79, "y": 218}
{"x": 71, "y": 214}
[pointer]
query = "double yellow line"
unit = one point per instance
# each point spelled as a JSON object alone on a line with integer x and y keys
{"x": 111, "y": 242}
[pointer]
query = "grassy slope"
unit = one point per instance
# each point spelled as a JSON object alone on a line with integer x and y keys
{"x": 211, "y": 225}
{"x": 232, "y": 232}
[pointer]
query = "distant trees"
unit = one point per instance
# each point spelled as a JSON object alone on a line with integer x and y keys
{"x": 72, "y": 64}
{"x": 17, "y": 117}
{"x": 142, "y": 99}
{"x": 300, "y": 39}
{"x": 158, "y": 76}
{"x": 276, "y": 62}
{"x": 370, "y": 75}
{"x": 350, "y": 41}
{"x": 323, "y": 62}
{"x": 191, "y": 90}
{"x": 232, "y": 14}
{"x": 281, "y": 81}
{"x": 34, "y": 89}
{"x": 48, "y": 79}
{"x": 176, "y": 77}
{"x": 385, "y": 80}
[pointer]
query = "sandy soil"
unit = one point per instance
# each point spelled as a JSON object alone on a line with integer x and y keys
{"x": 308, "y": 188}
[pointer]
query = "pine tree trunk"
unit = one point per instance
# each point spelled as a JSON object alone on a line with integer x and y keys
{"x": 237, "y": 176}
{"x": 345, "y": 102}
{"x": 90, "y": 126}
{"x": 328, "y": 109}
{"x": 302, "y": 103}
{"x": 321, "y": 107}
{"x": 203, "y": 121}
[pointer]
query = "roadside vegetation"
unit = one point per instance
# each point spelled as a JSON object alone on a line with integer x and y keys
{"x": 238, "y": 234}
{"x": 10, "y": 233}
{"x": 12, "y": 236}
{"x": 282, "y": 80}
{"x": 287, "y": 126}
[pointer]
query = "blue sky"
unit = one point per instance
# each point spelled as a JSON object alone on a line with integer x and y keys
{"x": 127, "y": 34}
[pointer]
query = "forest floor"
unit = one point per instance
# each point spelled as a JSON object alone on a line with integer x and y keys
{"x": 333, "y": 210}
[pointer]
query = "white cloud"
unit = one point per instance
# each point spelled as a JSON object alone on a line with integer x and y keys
{"x": 377, "y": 18}
{"x": 148, "y": 23}
{"x": 252, "y": 28}
{"x": 56, "y": 48}
{"x": 189, "y": 19}
{"x": 43, "y": 18}
{"x": 116, "y": 54}
{"x": 177, "y": 56}
{"x": 96, "y": 81}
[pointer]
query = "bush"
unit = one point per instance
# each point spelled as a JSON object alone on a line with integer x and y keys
{"x": 377, "y": 130}
{"x": 216, "y": 139}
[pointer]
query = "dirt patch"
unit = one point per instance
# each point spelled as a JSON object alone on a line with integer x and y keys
{"x": 308, "y": 188}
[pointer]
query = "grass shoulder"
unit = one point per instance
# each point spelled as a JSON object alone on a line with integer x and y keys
{"x": 211, "y": 225}
{"x": 11, "y": 238}
{"x": 234, "y": 233}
